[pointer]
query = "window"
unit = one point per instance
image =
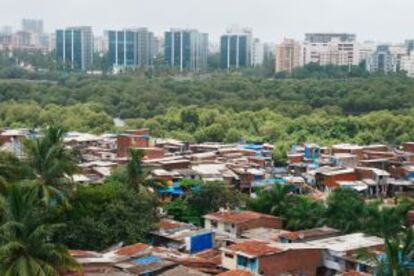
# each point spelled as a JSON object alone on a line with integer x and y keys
{"x": 214, "y": 224}
{"x": 242, "y": 261}
{"x": 337, "y": 259}
{"x": 362, "y": 268}
{"x": 228, "y": 255}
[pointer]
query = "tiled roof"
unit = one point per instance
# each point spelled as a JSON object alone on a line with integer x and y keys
{"x": 132, "y": 249}
{"x": 235, "y": 272}
{"x": 83, "y": 254}
{"x": 310, "y": 233}
{"x": 212, "y": 255}
{"x": 167, "y": 224}
{"x": 182, "y": 270}
{"x": 254, "y": 248}
{"x": 209, "y": 253}
{"x": 237, "y": 216}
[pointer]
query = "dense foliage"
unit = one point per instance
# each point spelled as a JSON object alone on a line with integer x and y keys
{"x": 41, "y": 209}
{"x": 203, "y": 199}
{"x": 139, "y": 96}
{"x": 105, "y": 215}
{"x": 345, "y": 210}
{"x": 227, "y": 107}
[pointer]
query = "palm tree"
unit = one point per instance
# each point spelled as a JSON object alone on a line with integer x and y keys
{"x": 11, "y": 170}
{"x": 26, "y": 245}
{"x": 345, "y": 210}
{"x": 399, "y": 254}
{"x": 52, "y": 164}
{"x": 135, "y": 172}
{"x": 384, "y": 221}
{"x": 301, "y": 213}
{"x": 271, "y": 201}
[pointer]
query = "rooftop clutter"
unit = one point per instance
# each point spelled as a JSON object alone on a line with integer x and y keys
{"x": 238, "y": 241}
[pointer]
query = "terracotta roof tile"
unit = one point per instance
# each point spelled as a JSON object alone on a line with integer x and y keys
{"x": 254, "y": 248}
{"x": 212, "y": 255}
{"x": 167, "y": 224}
{"x": 235, "y": 272}
{"x": 237, "y": 217}
{"x": 132, "y": 249}
{"x": 83, "y": 253}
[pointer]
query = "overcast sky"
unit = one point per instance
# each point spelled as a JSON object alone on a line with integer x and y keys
{"x": 271, "y": 20}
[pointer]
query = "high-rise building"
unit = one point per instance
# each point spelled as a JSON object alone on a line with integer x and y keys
{"x": 398, "y": 51}
{"x": 269, "y": 53}
{"x": 23, "y": 40}
{"x": 31, "y": 36}
{"x": 186, "y": 49}
{"x": 381, "y": 61}
{"x": 327, "y": 37}
{"x": 409, "y": 45}
{"x": 6, "y": 41}
{"x": 257, "y": 53}
{"x": 130, "y": 48}
{"x": 6, "y": 30}
{"x": 236, "y": 48}
{"x": 32, "y": 26}
{"x": 74, "y": 48}
{"x": 52, "y": 42}
{"x": 288, "y": 55}
{"x": 365, "y": 50}
{"x": 407, "y": 64}
{"x": 331, "y": 48}
{"x": 101, "y": 43}
{"x": 145, "y": 47}
{"x": 157, "y": 46}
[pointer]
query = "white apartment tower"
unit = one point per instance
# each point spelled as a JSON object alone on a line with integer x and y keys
{"x": 331, "y": 48}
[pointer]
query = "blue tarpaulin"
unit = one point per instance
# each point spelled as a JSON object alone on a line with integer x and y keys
{"x": 146, "y": 260}
{"x": 172, "y": 190}
{"x": 201, "y": 242}
{"x": 253, "y": 147}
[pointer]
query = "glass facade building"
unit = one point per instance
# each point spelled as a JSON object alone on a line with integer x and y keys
{"x": 130, "y": 48}
{"x": 74, "y": 48}
{"x": 186, "y": 50}
{"x": 235, "y": 50}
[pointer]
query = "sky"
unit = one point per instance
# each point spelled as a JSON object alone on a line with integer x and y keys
{"x": 271, "y": 20}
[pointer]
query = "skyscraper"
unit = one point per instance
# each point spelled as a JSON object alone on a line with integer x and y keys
{"x": 145, "y": 47}
{"x": 407, "y": 64}
{"x": 236, "y": 48}
{"x": 32, "y": 26}
{"x": 409, "y": 44}
{"x": 186, "y": 49}
{"x": 381, "y": 61}
{"x": 288, "y": 55}
{"x": 130, "y": 48}
{"x": 6, "y": 30}
{"x": 74, "y": 48}
{"x": 32, "y": 36}
{"x": 257, "y": 52}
